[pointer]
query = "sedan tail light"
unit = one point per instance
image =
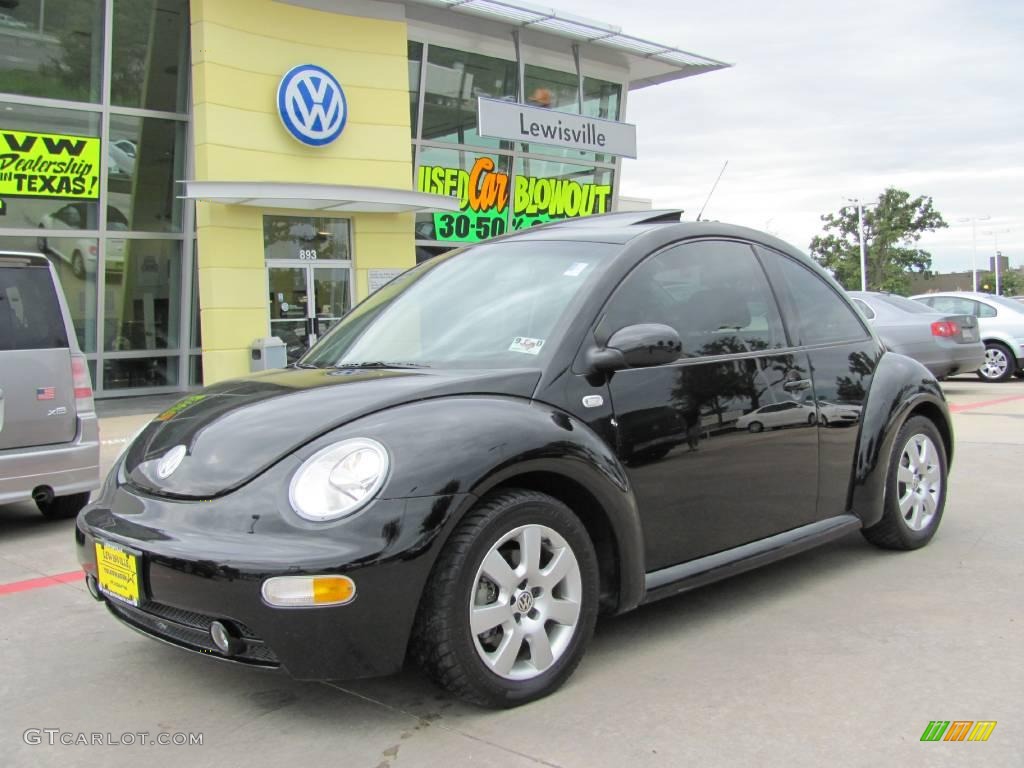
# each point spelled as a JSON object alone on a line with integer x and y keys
{"x": 945, "y": 328}
{"x": 82, "y": 384}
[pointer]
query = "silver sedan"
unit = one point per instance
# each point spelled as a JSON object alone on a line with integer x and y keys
{"x": 1001, "y": 321}
{"x": 944, "y": 343}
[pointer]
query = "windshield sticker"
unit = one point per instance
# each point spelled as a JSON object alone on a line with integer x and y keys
{"x": 576, "y": 269}
{"x": 526, "y": 345}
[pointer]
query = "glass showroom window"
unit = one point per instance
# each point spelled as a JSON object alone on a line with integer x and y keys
{"x": 415, "y": 64}
{"x": 601, "y": 98}
{"x": 552, "y": 89}
{"x": 455, "y": 80}
{"x": 145, "y": 158}
{"x": 122, "y": 248}
{"x": 52, "y": 49}
{"x": 149, "y": 63}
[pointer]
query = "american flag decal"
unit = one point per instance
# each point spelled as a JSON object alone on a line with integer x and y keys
{"x": 45, "y": 393}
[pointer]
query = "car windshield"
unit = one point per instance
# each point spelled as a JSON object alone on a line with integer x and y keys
{"x": 495, "y": 305}
{"x": 907, "y": 305}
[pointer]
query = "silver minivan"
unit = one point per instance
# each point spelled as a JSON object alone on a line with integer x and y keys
{"x": 49, "y": 439}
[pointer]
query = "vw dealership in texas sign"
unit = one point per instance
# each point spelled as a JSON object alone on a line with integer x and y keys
{"x": 312, "y": 105}
{"x": 520, "y": 122}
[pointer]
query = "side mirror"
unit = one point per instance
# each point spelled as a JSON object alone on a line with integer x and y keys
{"x": 637, "y": 346}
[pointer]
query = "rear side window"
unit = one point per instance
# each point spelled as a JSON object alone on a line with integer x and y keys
{"x": 823, "y": 317}
{"x": 30, "y": 316}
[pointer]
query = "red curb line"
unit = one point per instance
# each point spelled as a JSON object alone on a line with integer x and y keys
{"x": 984, "y": 403}
{"x": 42, "y": 581}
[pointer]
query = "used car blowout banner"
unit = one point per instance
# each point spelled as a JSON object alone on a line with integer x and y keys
{"x": 484, "y": 198}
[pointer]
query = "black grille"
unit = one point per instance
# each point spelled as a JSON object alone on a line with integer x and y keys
{"x": 191, "y": 630}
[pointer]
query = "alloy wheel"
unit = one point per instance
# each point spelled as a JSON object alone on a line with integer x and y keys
{"x": 996, "y": 363}
{"x": 525, "y": 602}
{"x": 919, "y": 482}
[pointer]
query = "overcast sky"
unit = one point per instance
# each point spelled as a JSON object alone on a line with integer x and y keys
{"x": 830, "y": 99}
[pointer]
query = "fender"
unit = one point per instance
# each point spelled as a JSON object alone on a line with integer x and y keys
{"x": 1006, "y": 339}
{"x": 899, "y": 387}
{"x": 492, "y": 439}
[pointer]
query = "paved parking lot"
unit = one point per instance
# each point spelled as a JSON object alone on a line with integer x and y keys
{"x": 840, "y": 656}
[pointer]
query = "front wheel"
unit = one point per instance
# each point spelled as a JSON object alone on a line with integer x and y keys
{"x": 511, "y": 603}
{"x": 999, "y": 365}
{"x": 915, "y": 490}
{"x": 755, "y": 426}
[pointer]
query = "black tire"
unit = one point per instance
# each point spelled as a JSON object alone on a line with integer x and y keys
{"x": 63, "y": 507}
{"x": 999, "y": 349}
{"x": 893, "y": 531}
{"x": 755, "y": 426}
{"x": 823, "y": 420}
{"x": 442, "y": 642}
{"x": 78, "y": 264}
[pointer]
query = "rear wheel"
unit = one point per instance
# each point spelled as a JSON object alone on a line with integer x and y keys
{"x": 999, "y": 364}
{"x": 63, "y": 507}
{"x": 512, "y": 601}
{"x": 915, "y": 490}
{"x": 78, "y": 264}
{"x": 755, "y": 426}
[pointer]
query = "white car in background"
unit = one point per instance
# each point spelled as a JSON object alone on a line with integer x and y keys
{"x": 1001, "y": 322}
{"x": 776, "y": 415}
{"x": 81, "y": 252}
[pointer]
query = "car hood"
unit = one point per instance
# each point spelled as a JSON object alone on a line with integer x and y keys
{"x": 235, "y": 430}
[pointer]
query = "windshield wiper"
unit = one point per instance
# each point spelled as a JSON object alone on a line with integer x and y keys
{"x": 380, "y": 364}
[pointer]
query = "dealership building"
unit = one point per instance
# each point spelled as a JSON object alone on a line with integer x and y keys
{"x": 204, "y": 174}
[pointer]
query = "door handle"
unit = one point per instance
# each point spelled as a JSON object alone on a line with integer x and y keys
{"x": 796, "y": 385}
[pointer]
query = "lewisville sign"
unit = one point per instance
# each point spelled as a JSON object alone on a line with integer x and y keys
{"x": 520, "y": 122}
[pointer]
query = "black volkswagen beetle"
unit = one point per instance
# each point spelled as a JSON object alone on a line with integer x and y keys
{"x": 510, "y": 439}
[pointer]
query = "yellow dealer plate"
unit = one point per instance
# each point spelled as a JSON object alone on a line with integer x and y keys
{"x": 117, "y": 572}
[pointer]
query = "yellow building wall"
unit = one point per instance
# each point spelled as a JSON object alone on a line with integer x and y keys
{"x": 240, "y": 50}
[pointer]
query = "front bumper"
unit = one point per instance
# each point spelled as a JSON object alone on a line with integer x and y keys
{"x": 206, "y": 561}
{"x": 66, "y": 468}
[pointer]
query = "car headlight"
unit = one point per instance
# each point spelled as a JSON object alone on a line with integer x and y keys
{"x": 339, "y": 479}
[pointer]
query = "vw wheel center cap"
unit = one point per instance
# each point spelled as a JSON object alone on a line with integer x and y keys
{"x": 312, "y": 105}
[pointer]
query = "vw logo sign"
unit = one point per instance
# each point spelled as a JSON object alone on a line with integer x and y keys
{"x": 312, "y": 105}
{"x": 170, "y": 461}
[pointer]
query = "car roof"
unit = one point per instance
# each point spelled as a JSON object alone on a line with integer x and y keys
{"x": 623, "y": 227}
{"x": 22, "y": 259}
{"x": 957, "y": 294}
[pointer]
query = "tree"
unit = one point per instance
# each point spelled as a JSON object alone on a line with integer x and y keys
{"x": 892, "y": 228}
{"x": 1011, "y": 282}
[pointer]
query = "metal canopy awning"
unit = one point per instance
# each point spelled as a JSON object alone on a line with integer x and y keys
{"x": 317, "y": 197}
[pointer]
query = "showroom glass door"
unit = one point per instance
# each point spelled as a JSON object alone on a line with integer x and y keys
{"x": 306, "y": 300}
{"x": 309, "y": 277}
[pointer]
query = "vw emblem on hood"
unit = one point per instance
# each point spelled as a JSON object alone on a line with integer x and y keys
{"x": 312, "y": 105}
{"x": 166, "y": 466}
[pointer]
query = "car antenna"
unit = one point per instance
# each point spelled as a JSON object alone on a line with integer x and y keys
{"x": 712, "y": 190}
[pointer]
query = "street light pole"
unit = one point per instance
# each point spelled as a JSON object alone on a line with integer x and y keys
{"x": 860, "y": 237}
{"x": 995, "y": 242}
{"x": 974, "y": 237}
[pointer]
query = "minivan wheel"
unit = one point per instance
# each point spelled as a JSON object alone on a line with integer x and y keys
{"x": 999, "y": 362}
{"x": 915, "y": 490}
{"x": 63, "y": 507}
{"x": 511, "y": 603}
